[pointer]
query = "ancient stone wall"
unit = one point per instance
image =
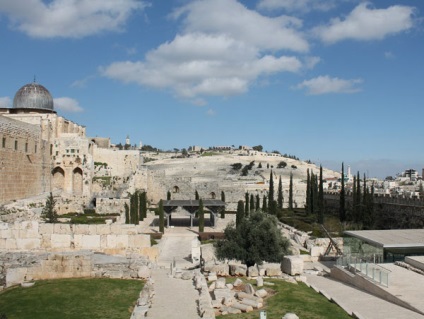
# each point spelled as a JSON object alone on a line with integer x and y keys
{"x": 24, "y": 161}
{"x": 110, "y": 239}
{"x": 107, "y": 206}
{"x": 122, "y": 163}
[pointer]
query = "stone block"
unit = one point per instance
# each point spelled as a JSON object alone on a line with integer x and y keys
{"x": 208, "y": 252}
{"x": 3, "y": 243}
{"x": 60, "y": 241}
{"x": 5, "y": 233}
{"x": 316, "y": 251}
{"x": 253, "y": 271}
{"x": 15, "y": 276}
{"x": 62, "y": 229}
{"x": 28, "y": 243}
{"x": 122, "y": 241}
{"x": 138, "y": 241}
{"x": 248, "y": 288}
{"x": 46, "y": 229}
{"x": 220, "y": 283}
{"x": 220, "y": 294}
{"x": 90, "y": 242}
{"x": 11, "y": 244}
{"x": 4, "y": 226}
{"x": 81, "y": 229}
{"x": 292, "y": 265}
{"x": 238, "y": 270}
{"x": 273, "y": 269}
{"x": 259, "y": 282}
{"x": 238, "y": 282}
{"x": 103, "y": 230}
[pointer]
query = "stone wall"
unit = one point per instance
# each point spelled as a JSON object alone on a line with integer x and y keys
{"x": 107, "y": 206}
{"x": 110, "y": 239}
{"x": 122, "y": 163}
{"x": 24, "y": 160}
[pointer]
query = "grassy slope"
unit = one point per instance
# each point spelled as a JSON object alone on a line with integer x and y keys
{"x": 298, "y": 299}
{"x": 72, "y": 298}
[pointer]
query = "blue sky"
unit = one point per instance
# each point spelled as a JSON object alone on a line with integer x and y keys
{"x": 330, "y": 81}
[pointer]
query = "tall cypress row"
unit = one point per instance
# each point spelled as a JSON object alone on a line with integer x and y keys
{"x": 252, "y": 202}
{"x": 246, "y": 204}
{"x": 240, "y": 213}
{"x": 257, "y": 203}
{"x": 264, "y": 204}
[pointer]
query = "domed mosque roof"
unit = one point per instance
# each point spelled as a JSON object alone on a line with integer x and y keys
{"x": 33, "y": 96}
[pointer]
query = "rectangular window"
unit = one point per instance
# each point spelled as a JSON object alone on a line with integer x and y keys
{"x": 72, "y": 151}
{"x": 16, "y": 145}
{"x": 35, "y": 148}
{"x": 51, "y": 149}
{"x": 3, "y": 142}
{"x": 26, "y": 147}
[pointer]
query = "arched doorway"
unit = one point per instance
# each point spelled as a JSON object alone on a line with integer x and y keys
{"x": 77, "y": 181}
{"x": 213, "y": 195}
{"x": 58, "y": 180}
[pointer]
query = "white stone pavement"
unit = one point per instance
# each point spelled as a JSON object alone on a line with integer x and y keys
{"x": 174, "y": 298}
{"x": 352, "y": 300}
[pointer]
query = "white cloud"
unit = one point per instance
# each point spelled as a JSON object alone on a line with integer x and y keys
{"x": 366, "y": 23}
{"x": 325, "y": 84}
{"x": 297, "y": 5}
{"x": 67, "y": 104}
{"x": 210, "y": 112}
{"x": 311, "y": 61}
{"x": 69, "y": 18}
{"x": 389, "y": 55}
{"x": 235, "y": 20}
{"x": 223, "y": 49}
{"x": 5, "y": 102}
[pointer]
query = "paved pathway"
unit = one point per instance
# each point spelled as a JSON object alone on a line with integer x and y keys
{"x": 174, "y": 298}
{"x": 364, "y": 305}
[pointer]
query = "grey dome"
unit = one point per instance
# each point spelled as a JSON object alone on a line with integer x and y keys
{"x": 33, "y": 96}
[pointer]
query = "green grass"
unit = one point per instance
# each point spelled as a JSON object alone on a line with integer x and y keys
{"x": 72, "y": 299}
{"x": 298, "y": 299}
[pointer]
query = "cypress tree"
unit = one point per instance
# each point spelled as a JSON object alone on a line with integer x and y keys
{"x": 223, "y": 209}
{"x": 320, "y": 217}
{"x": 201, "y": 217}
{"x": 271, "y": 188}
{"x": 49, "y": 213}
{"x": 354, "y": 201}
{"x": 264, "y": 204}
{"x": 252, "y": 202}
{"x": 342, "y": 207}
{"x": 314, "y": 192}
{"x": 196, "y": 195}
{"x": 280, "y": 198}
{"x": 308, "y": 193}
{"x": 240, "y": 212}
{"x": 258, "y": 202}
{"x": 143, "y": 205}
{"x": 291, "y": 192}
{"x": 161, "y": 218}
{"x": 358, "y": 199}
{"x": 246, "y": 204}
{"x": 168, "y": 195}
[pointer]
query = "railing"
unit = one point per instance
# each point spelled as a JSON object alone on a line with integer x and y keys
{"x": 370, "y": 270}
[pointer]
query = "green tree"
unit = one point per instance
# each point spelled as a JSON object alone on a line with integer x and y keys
{"x": 282, "y": 164}
{"x": 246, "y": 204}
{"x": 308, "y": 193}
{"x": 161, "y": 218}
{"x": 184, "y": 152}
{"x": 252, "y": 203}
{"x": 342, "y": 206}
{"x": 257, "y": 202}
{"x": 49, "y": 213}
{"x": 223, "y": 209}
{"x": 255, "y": 240}
{"x": 201, "y": 214}
{"x": 196, "y": 195}
{"x": 264, "y": 204}
{"x": 280, "y": 198}
{"x": 168, "y": 195}
{"x": 291, "y": 192}
{"x": 143, "y": 205}
{"x": 260, "y": 165}
{"x": 320, "y": 215}
{"x": 271, "y": 188}
{"x": 258, "y": 148}
{"x": 240, "y": 212}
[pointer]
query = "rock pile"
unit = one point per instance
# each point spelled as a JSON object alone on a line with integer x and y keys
{"x": 144, "y": 300}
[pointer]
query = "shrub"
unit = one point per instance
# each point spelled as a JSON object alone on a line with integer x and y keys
{"x": 282, "y": 164}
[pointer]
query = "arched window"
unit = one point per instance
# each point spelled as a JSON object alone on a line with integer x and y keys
{"x": 58, "y": 175}
{"x": 77, "y": 181}
{"x": 213, "y": 195}
{"x": 176, "y": 189}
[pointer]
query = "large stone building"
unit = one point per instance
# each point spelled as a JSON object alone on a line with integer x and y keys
{"x": 41, "y": 151}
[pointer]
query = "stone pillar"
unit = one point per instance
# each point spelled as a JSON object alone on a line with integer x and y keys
{"x": 167, "y": 220}
{"x": 191, "y": 220}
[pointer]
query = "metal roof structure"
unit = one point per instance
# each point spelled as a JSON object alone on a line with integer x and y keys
{"x": 391, "y": 238}
{"x": 193, "y": 203}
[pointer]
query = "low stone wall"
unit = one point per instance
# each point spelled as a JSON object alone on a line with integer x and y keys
{"x": 16, "y": 268}
{"x": 111, "y": 239}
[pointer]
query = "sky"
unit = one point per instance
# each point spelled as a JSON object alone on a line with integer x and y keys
{"x": 330, "y": 81}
